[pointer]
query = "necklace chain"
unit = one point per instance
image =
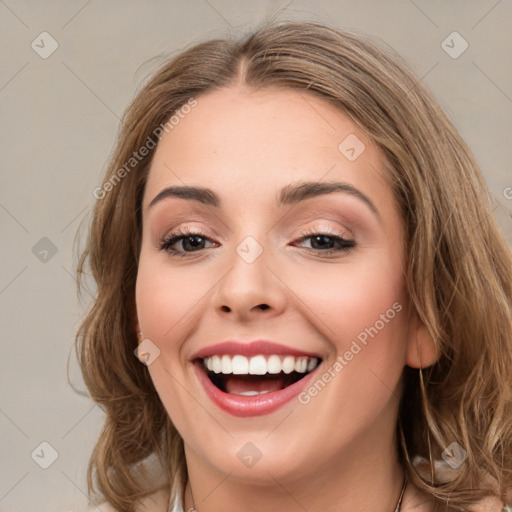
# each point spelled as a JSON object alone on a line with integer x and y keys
{"x": 399, "y": 504}
{"x": 397, "y": 508}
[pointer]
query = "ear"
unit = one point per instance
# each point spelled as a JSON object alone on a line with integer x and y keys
{"x": 421, "y": 348}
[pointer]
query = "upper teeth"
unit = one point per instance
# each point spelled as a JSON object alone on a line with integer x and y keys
{"x": 259, "y": 365}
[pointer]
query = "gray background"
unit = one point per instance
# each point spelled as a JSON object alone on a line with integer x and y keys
{"x": 59, "y": 118}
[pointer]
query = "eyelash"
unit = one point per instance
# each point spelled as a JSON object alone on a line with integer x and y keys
{"x": 344, "y": 245}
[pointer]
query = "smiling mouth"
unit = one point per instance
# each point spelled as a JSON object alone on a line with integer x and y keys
{"x": 251, "y": 376}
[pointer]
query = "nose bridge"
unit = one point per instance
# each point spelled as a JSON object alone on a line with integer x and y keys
{"x": 251, "y": 245}
{"x": 248, "y": 261}
{"x": 249, "y": 285}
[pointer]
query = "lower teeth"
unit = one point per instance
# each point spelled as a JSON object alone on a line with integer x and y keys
{"x": 276, "y": 382}
{"x": 250, "y": 393}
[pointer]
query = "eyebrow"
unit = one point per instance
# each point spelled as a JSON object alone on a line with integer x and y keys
{"x": 289, "y": 195}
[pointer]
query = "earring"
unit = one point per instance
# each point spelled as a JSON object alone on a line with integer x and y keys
{"x": 139, "y": 336}
{"x": 426, "y": 413}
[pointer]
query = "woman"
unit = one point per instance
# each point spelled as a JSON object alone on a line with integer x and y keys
{"x": 300, "y": 249}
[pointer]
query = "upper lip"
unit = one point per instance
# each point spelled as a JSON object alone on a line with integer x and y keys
{"x": 250, "y": 348}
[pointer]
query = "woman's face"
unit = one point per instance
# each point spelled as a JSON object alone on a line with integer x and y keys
{"x": 277, "y": 253}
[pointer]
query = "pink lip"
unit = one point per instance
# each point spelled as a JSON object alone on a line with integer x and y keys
{"x": 243, "y": 406}
{"x": 253, "y": 348}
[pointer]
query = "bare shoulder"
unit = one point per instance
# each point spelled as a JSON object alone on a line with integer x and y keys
{"x": 416, "y": 500}
{"x": 491, "y": 504}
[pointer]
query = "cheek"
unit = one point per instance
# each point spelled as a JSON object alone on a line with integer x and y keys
{"x": 362, "y": 308}
{"x": 354, "y": 294}
{"x": 166, "y": 299}
{"x": 166, "y": 296}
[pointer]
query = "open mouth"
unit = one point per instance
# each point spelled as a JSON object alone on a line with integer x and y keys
{"x": 251, "y": 376}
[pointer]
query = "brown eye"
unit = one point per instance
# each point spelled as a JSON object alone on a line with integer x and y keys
{"x": 190, "y": 242}
{"x": 327, "y": 243}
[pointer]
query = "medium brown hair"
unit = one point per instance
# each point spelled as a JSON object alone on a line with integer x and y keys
{"x": 459, "y": 267}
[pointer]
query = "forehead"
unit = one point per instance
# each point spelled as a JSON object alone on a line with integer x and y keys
{"x": 237, "y": 140}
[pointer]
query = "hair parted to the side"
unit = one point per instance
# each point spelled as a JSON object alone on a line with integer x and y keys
{"x": 459, "y": 267}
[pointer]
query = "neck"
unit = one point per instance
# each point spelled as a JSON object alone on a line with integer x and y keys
{"x": 365, "y": 476}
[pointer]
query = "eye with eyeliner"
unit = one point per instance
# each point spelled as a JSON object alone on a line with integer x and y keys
{"x": 343, "y": 244}
{"x": 340, "y": 242}
{"x": 180, "y": 235}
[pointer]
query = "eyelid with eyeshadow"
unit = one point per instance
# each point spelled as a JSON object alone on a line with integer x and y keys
{"x": 344, "y": 244}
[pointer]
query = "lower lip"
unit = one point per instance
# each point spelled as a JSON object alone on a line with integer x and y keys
{"x": 258, "y": 405}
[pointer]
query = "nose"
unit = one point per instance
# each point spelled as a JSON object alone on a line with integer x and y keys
{"x": 250, "y": 288}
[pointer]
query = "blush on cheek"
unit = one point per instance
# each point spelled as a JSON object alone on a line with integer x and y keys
{"x": 163, "y": 299}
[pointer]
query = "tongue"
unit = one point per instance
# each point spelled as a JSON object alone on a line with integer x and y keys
{"x": 246, "y": 385}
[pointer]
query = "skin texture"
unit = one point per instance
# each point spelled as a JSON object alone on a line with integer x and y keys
{"x": 246, "y": 146}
